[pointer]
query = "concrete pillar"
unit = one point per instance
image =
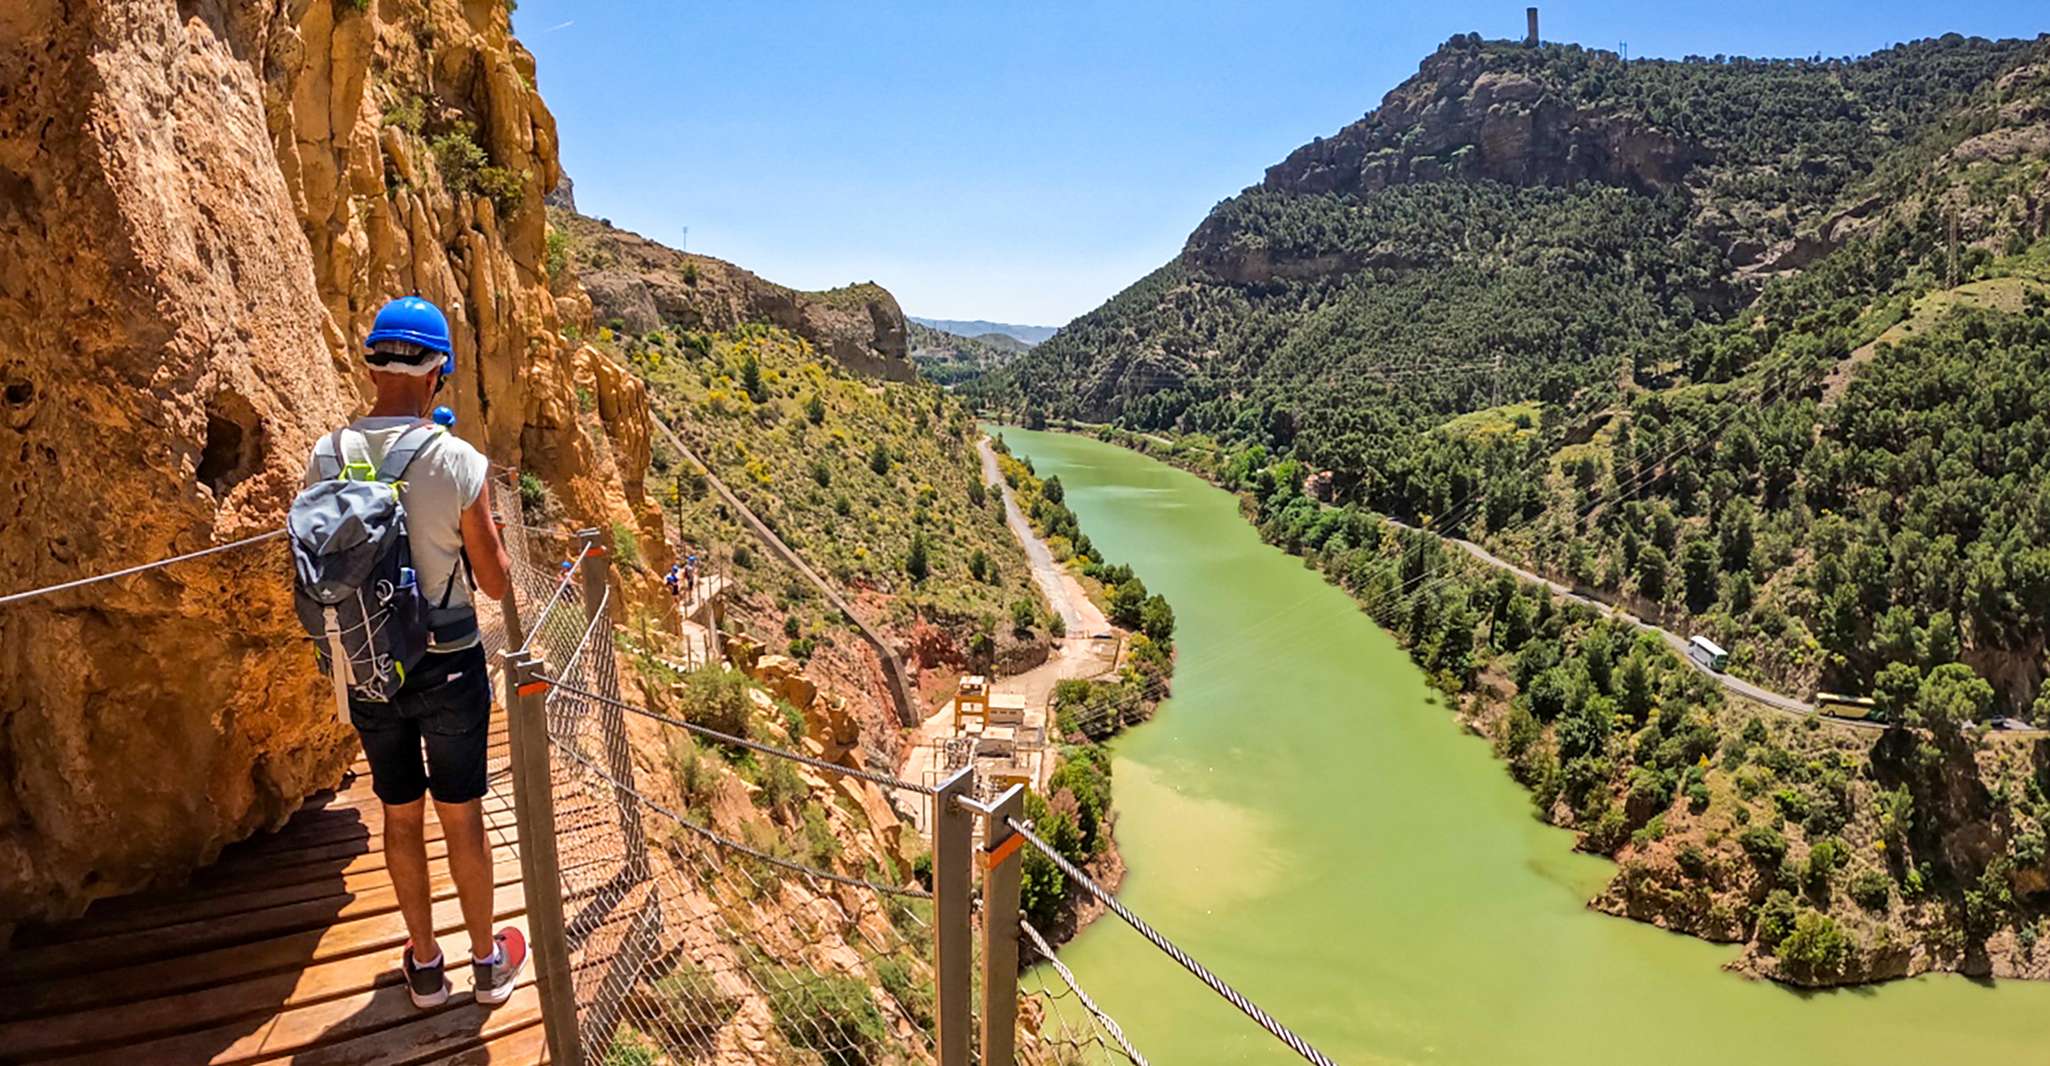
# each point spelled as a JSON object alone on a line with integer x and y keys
{"x": 1530, "y": 15}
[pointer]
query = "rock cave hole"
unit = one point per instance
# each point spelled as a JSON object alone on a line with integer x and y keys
{"x": 234, "y": 443}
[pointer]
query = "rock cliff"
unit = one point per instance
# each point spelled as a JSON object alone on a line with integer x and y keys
{"x": 201, "y": 208}
{"x": 644, "y": 286}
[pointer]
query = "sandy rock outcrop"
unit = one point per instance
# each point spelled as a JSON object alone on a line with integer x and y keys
{"x": 642, "y": 286}
{"x": 201, "y": 208}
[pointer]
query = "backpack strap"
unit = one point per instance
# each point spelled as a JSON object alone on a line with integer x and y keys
{"x": 404, "y": 449}
{"x": 333, "y": 463}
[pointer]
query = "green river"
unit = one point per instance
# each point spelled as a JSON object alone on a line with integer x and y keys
{"x": 1305, "y": 819}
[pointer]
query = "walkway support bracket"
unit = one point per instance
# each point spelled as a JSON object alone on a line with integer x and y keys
{"x": 953, "y": 859}
{"x": 534, "y": 813}
{"x": 1002, "y": 867}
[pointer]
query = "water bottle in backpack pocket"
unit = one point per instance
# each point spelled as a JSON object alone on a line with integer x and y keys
{"x": 354, "y": 586}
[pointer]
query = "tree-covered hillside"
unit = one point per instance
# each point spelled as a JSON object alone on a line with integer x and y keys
{"x": 949, "y": 358}
{"x": 1771, "y": 333}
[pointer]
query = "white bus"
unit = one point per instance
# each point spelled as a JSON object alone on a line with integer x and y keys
{"x": 1708, "y": 653}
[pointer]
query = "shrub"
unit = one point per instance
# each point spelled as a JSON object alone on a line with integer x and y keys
{"x": 1057, "y": 625}
{"x": 628, "y": 1046}
{"x": 822, "y": 472}
{"x": 1764, "y": 844}
{"x": 815, "y": 410}
{"x": 879, "y": 458}
{"x": 626, "y": 546}
{"x": 751, "y": 378}
{"x": 1775, "y": 919}
{"x": 1817, "y": 945}
{"x": 978, "y": 565}
{"x": 913, "y": 992}
{"x": 558, "y": 252}
{"x": 716, "y": 699}
{"x": 820, "y": 843}
{"x": 1871, "y": 888}
{"x": 1156, "y": 619}
{"x": 918, "y": 562}
{"x": 832, "y": 1015}
{"x": 1023, "y": 616}
{"x": 790, "y": 626}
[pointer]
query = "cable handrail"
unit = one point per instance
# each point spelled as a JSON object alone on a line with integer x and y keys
{"x": 29, "y": 594}
{"x": 1109, "y": 1024}
{"x": 709, "y": 733}
{"x": 561, "y": 585}
{"x": 1168, "y": 947}
{"x": 599, "y": 772}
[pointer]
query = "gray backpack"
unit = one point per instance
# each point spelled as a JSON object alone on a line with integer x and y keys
{"x": 355, "y": 588}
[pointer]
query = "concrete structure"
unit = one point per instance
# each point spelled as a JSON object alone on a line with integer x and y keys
{"x": 1530, "y": 16}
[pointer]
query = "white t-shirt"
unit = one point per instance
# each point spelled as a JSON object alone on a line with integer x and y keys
{"x": 443, "y": 480}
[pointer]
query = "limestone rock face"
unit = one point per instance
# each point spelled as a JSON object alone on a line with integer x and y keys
{"x": 641, "y": 286}
{"x": 201, "y": 208}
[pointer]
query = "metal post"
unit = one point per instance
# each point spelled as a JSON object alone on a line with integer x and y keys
{"x": 1001, "y": 866}
{"x": 540, "y": 866}
{"x": 953, "y": 857}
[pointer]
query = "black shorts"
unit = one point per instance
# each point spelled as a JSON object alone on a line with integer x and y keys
{"x": 445, "y": 703}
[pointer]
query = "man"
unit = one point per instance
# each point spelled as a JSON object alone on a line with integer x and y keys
{"x": 675, "y": 581}
{"x": 445, "y": 701}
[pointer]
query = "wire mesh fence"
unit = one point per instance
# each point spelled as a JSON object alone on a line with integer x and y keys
{"x": 1061, "y": 1023}
{"x": 716, "y": 900}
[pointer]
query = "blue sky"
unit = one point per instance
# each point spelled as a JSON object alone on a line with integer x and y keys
{"x": 1023, "y": 161}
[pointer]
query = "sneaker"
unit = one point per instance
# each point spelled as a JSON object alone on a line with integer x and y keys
{"x": 495, "y": 979}
{"x": 428, "y": 985}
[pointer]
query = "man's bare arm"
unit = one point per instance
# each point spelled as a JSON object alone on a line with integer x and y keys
{"x": 488, "y": 561}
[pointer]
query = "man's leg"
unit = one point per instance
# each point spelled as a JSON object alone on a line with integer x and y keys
{"x": 405, "y": 859}
{"x": 469, "y": 863}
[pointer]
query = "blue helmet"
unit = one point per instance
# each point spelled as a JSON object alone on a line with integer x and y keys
{"x": 415, "y": 321}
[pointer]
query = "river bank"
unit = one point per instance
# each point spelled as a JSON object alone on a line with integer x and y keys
{"x": 1731, "y": 820}
{"x": 1300, "y": 817}
{"x": 1099, "y": 678}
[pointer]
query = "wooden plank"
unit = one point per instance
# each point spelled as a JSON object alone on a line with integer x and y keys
{"x": 100, "y": 952}
{"x": 292, "y": 867}
{"x": 247, "y": 1001}
{"x": 83, "y": 990}
{"x": 465, "y": 1033}
{"x": 373, "y": 1025}
{"x": 521, "y": 1047}
{"x": 180, "y": 912}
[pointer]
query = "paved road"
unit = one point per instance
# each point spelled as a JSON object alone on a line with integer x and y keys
{"x": 1775, "y": 700}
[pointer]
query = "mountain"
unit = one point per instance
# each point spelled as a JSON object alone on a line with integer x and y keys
{"x": 808, "y": 406}
{"x": 1629, "y": 252}
{"x": 1758, "y": 350}
{"x": 1028, "y": 335}
{"x": 949, "y": 359}
{"x": 637, "y": 286}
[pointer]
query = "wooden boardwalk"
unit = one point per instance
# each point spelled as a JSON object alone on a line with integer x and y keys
{"x": 284, "y": 950}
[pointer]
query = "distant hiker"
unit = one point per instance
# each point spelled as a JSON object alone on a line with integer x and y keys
{"x": 690, "y": 574}
{"x": 384, "y": 585}
{"x": 675, "y": 581}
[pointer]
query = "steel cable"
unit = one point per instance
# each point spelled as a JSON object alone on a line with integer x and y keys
{"x": 1188, "y": 962}
{"x": 795, "y": 867}
{"x": 884, "y": 780}
{"x": 1108, "y": 1023}
{"x": 16, "y": 597}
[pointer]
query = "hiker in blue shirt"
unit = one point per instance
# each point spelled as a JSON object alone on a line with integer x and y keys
{"x": 674, "y": 581}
